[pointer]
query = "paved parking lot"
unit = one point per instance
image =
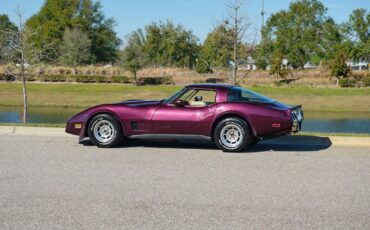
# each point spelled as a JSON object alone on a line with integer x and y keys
{"x": 55, "y": 182}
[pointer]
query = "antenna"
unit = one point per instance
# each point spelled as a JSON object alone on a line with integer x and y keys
{"x": 262, "y": 12}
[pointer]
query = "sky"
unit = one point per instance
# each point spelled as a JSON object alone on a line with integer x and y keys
{"x": 200, "y": 16}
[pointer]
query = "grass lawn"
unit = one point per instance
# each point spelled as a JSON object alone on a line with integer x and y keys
{"x": 85, "y": 95}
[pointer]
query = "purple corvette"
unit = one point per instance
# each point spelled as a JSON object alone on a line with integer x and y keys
{"x": 231, "y": 116}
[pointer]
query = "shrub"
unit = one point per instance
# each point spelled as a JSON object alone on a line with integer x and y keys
{"x": 101, "y": 79}
{"x": 85, "y": 79}
{"x": 32, "y": 78}
{"x": 155, "y": 80}
{"x": 347, "y": 82}
{"x": 339, "y": 67}
{"x": 2, "y": 76}
{"x": 203, "y": 67}
{"x": 367, "y": 81}
{"x": 58, "y": 78}
{"x": 120, "y": 79}
{"x": 215, "y": 80}
{"x": 53, "y": 78}
{"x": 355, "y": 82}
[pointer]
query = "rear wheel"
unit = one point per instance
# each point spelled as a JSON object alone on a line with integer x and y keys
{"x": 232, "y": 135}
{"x": 105, "y": 131}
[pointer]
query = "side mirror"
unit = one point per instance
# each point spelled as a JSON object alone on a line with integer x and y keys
{"x": 179, "y": 103}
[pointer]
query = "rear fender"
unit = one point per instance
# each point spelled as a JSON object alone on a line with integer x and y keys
{"x": 227, "y": 114}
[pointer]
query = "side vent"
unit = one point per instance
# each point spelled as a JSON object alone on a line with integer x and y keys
{"x": 134, "y": 125}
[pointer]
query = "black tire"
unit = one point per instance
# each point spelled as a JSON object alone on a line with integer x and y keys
{"x": 114, "y": 135}
{"x": 232, "y": 124}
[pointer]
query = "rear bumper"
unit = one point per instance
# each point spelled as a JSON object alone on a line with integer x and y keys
{"x": 297, "y": 116}
{"x": 297, "y": 126}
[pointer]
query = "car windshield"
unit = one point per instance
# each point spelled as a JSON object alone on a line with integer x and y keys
{"x": 173, "y": 97}
{"x": 239, "y": 94}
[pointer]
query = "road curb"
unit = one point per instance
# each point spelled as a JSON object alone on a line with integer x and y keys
{"x": 289, "y": 139}
{"x": 31, "y": 131}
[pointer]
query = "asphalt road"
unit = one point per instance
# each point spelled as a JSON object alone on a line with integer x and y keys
{"x": 57, "y": 183}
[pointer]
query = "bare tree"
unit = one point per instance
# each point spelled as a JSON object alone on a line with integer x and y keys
{"x": 239, "y": 24}
{"x": 23, "y": 54}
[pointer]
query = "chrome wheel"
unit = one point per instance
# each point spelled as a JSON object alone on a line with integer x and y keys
{"x": 104, "y": 131}
{"x": 231, "y": 135}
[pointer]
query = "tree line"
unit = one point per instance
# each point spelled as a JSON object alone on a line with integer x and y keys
{"x": 304, "y": 33}
{"x": 76, "y": 32}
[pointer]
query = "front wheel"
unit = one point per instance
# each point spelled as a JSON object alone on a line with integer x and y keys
{"x": 105, "y": 131}
{"x": 232, "y": 135}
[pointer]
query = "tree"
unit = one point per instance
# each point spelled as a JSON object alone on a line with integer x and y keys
{"x": 217, "y": 48}
{"x": 24, "y": 53}
{"x": 56, "y": 16}
{"x": 134, "y": 57}
{"x": 262, "y": 54}
{"x": 51, "y": 21}
{"x": 6, "y": 27}
{"x": 278, "y": 67}
{"x": 203, "y": 66}
{"x": 239, "y": 24}
{"x": 75, "y": 48}
{"x": 357, "y": 31}
{"x": 301, "y": 34}
{"x": 171, "y": 45}
{"x": 104, "y": 41}
{"x": 331, "y": 39}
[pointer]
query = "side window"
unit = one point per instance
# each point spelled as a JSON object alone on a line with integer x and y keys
{"x": 203, "y": 98}
{"x": 187, "y": 95}
{"x": 240, "y": 94}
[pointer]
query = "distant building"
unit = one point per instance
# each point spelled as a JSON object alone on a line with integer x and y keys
{"x": 361, "y": 65}
{"x": 309, "y": 65}
{"x": 247, "y": 64}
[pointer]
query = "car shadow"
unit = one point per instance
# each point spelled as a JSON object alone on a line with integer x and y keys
{"x": 290, "y": 143}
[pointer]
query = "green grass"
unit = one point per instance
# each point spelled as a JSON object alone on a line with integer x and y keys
{"x": 85, "y": 95}
{"x": 321, "y": 99}
{"x": 79, "y": 95}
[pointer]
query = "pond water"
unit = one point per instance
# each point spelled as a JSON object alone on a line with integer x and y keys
{"x": 338, "y": 122}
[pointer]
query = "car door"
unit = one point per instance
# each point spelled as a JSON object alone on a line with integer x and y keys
{"x": 194, "y": 118}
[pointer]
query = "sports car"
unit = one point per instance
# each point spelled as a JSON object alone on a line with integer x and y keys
{"x": 231, "y": 116}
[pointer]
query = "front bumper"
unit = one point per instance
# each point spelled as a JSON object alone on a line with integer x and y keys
{"x": 74, "y": 128}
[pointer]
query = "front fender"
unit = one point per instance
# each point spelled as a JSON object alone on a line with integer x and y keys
{"x": 78, "y": 124}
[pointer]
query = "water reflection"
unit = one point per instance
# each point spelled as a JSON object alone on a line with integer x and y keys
{"x": 345, "y": 122}
{"x": 47, "y": 115}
